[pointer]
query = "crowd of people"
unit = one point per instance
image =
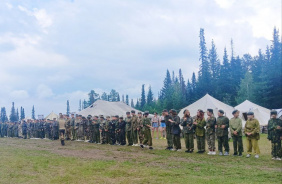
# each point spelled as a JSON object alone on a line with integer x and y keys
{"x": 138, "y": 130}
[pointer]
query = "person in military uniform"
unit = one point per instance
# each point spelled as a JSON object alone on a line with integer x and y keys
{"x": 222, "y": 125}
{"x": 188, "y": 130}
{"x": 81, "y": 128}
{"x": 102, "y": 129}
{"x": 16, "y": 129}
{"x": 68, "y": 127}
{"x": 92, "y": 132}
{"x": 147, "y": 131}
{"x": 167, "y": 117}
{"x": 134, "y": 125}
{"x": 121, "y": 131}
{"x": 200, "y": 124}
{"x": 235, "y": 126}
{"x": 96, "y": 130}
{"x": 62, "y": 123}
{"x": 107, "y": 134}
{"x": 55, "y": 129}
{"x": 274, "y": 135}
{"x": 112, "y": 130}
{"x": 41, "y": 133}
{"x": 175, "y": 130}
{"x": 86, "y": 127}
{"x": 140, "y": 127}
{"x": 210, "y": 131}
{"x": 73, "y": 127}
{"x": 129, "y": 129}
{"x": 252, "y": 130}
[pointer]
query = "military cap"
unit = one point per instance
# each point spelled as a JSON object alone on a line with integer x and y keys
{"x": 133, "y": 111}
{"x": 139, "y": 112}
{"x": 120, "y": 117}
{"x": 146, "y": 112}
{"x": 80, "y": 115}
{"x": 127, "y": 112}
{"x": 235, "y": 111}
{"x": 67, "y": 115}
{"x": 210, "y": 110}
{"x": 165, "y": 110}
{"x": 116, "y": 116}
{"x": 72, "y": 113}
{"x": 200, "y": 110}
{"x": 108, "y": 116}
{"x": 273, "y": 112}
{"x": 221, "y": 111}
{"x": 101, "y": 116}
{"x": 250, "y": 113}
{"x": 96, "y": 116}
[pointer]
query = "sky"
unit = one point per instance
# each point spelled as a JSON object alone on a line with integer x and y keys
{"x": 52, "y": 51}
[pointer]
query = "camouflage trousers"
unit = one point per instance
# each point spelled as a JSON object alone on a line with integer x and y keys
{"x": 141, "y": 135}
{"x": 189, "y": 141}
{"x": 176, "y": 141}
{"x": 129, "y": 137}
{"x": 223, "y": 141}
{"x": 68, "y": 133}
{"x": 276, "y": 149}
{"x": 201, "y": 143}
{"x": 237, "y": 144}
{"x": 252, "y": 144}
{"x": 97, "y": 135}
{"x": 73, "y": 133}
{"x": 135, "y": 136}
{"x": 108, "y": 137}
{"x": 62, "y": 134}
{"x": 169, "y": 139}
{"x": 211, "y": 141}
{"x": 103, "y": 136}
{"x": 147, "y": 137}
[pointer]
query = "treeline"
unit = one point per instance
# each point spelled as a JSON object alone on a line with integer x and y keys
{"x": 15, "y": 115}
{"x": 235, "y": 79}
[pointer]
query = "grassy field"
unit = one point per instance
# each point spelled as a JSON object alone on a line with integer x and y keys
{"x": 45, "y": 161}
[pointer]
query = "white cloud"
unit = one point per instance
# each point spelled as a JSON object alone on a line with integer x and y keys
{"x": 225, "y": 3}
{"x": 43, "y": 91}
{"x": 9, "y": 6}
{"x": 19, "y": 94}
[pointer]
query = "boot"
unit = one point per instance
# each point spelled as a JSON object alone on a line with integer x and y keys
{"x": 62, "y": 142}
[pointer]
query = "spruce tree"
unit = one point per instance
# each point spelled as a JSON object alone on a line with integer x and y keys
{"x": 214, "y": 69}
{"x": 132, "y": 103}
{"x": 126, "y": 100}
{"x": 33, "y": 112}
{"x": 150, "y": 96}
{"x": 68, "y": 107}
{"x": 246, "y": 91}
{"x": 104, "y": 96}
{"x": 13, "y": 115}
{"x": 143, "y": 98}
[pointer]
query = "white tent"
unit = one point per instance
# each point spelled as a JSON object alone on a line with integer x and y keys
{"x": 261, "y": 114}
{"x": 101, "y": 107}
{"x": 208, "y": 102}
{"x": 51, "y": 116}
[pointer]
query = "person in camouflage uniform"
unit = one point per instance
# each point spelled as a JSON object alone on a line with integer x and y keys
{"x": 210, "y": 131}
{"x": 222, "y": 125}
{"x": 175, "y": 130}
{"x": 102, "y": 129}
{"x": 274, "y": 135}
{"x": 96, "y": 130}
{"x": 112, "y": 130}
{"x": 73, "y": 127}
{"x": 120, "y": 129}
{"x": 81, "y": 128}
{"x": 41, "y": 133}
{"x": 129, "y": 129}
{"x": 16, "y": 129}
{"x": 68, "y": 127}
{"x": 107, "y": 134}
{"x": 24, "y": 129}
{"x": 252, "y": 130}
{"x": 55, "y": 129}
{"x": 140, "y": 128}
{"x": 92, "y": 132}
{"x": 200, "y": 124}
{"x": 62, "y": 130}
{"x": 147, "y": 131}
{"x": 236, "y": 133}
{"x": 86, "y": 127}
{"x": 188, "y": 130}
{"x": 168, "y": 130}
{"x": 134, "y": 125}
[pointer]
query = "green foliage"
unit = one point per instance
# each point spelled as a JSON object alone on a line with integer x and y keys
{"x": 33, "y": 112}
{"x": 68, "y": 107}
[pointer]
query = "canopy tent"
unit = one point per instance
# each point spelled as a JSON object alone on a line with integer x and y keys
{"x": 261, "y": 114}
{"x": 208, "y": 102}
{"x": 101, "y": 107}
{"x": 51, "y": 116}
{"x": 279, "y": 113}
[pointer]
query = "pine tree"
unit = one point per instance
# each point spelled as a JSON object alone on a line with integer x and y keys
{"x": 150, "y": 96}
{"x": 246, "y": 91}
{"x": 214, "y": 69}
{"x": 122, "y": 98}
{"x": 3, "y": 115}
{"x": 126, "y": 100}
{"x": 13, "y": 115}
{"x": 137, "y": 106}
{"x": 85, "y": 104}
{"x": 104, "y": 96}
{"x": 132, "y": 103}
{"x": 143, "y": 98}
{"x": 204, "y": 78}
{"x": 92, "y": 97}
{"x": 114, "y": 95}
{"x": 68, "y": 107}
{"x": 79, "y": 106}
{"x": 33, "y": 112}
{"x": 183, "y": 89}
{"x": 17, "y": 115}
{"x": 23, "y": 114}
{"x": 118, "y": 97}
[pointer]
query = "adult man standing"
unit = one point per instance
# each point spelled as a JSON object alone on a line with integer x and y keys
{"x": 222, "y": 125}
{"x": 24, "y": 129}
{"x": 188, "y": 130}
{"x": 129, "y": 129}
{"x": 236, "y": 133}
{"x": 274, "y": 135}
{"x": 96, "y": 130}
{"x": 73, "y": 127}
{"x": 167, "y": 117}
{"x": 140, "y": 128}
{"x": 112, "y": 130}
{"x": 102, "y": 129}
{"x": 55, "y": 129}
{"x": 107, "y": 133}
{"x": 252, "y": 129}
{"x": 210, "y": 131}
{"x": 134, "y": 124}
{"x": 175, "y": 121}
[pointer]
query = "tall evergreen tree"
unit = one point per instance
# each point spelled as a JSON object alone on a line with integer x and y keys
{"x": 183, "y": 89}
{"x": 33, "y": 112}
{"x": 126, "y": 100}
{"x": 13, "y": 115}
{"x": 79, "y": 105}
{"x": 68, "y": 107}
{"x": 246, "y": 91}
{"x": 204, "y": 78}
{"x": 118, "y": 97}
{"x": 122, "y": 98}
{"x": 104, "y": 96}
{"x": 132, "y": 103}
{"x": 150, "y": 96}
{"x": 93, "y": 96}
{"x": 214, "y": 69}
{"x": 18, "y": 115}
{"x": 3, "y": 115}
{"x": 143, "y": 98}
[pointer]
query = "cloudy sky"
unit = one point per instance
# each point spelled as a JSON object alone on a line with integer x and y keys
{"x": 52, "y": 51}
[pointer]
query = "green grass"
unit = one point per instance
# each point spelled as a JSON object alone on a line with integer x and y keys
{"x": 44, "y": 161}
